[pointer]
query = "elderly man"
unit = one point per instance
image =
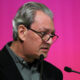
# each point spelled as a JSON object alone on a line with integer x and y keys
{"x": 33, "y": 34}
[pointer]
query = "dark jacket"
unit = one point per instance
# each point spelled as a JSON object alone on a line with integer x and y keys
{"x": 9, "y": 71}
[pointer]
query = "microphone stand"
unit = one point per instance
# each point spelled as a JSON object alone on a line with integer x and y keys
{"x": 76, "y": 72}
{"x": 41, "y": 67}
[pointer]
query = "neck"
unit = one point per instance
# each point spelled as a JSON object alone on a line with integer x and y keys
{"x": 17, "y": 48}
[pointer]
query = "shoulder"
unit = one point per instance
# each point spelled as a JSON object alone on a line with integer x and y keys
{"x": 3, "y": 52}
{"x": 5, "y": 58}
{"x": 52, "y": 70}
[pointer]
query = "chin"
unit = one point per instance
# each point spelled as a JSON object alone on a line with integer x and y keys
{"x": 44, "y": 53}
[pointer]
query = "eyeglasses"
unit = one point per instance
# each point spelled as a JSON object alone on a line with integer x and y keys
{"x": 45, "y": 37}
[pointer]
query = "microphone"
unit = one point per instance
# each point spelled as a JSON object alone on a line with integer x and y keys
{"x": 67, "y": 69}
{"x": 41, "y": 69}
{"x": 41, "y": 57}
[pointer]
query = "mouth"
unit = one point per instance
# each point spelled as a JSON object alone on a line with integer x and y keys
{"x": 45, "y": 49}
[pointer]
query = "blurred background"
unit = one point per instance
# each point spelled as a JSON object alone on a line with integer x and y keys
{"x": 66, "y": 50}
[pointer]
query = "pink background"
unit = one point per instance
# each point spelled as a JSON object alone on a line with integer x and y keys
{"x": 66, "y": 50}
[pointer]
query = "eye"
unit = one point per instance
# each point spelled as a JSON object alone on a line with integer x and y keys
{"x": 52, "y": 34}
{"x": 42, "y": 34}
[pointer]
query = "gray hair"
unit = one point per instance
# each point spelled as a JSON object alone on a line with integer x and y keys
{"x": 26, "y": 14}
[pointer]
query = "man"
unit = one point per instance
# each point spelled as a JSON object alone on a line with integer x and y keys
{"x": 33, "y": 34}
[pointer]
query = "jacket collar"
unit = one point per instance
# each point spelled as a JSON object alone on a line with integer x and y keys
{"x": 8, "y": 66}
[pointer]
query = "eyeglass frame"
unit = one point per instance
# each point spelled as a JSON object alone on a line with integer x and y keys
{"x": 43, "y": 35}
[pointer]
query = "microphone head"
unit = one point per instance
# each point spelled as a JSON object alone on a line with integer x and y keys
{"x": 41, "y": 57}
{"x": 67, "y": 69}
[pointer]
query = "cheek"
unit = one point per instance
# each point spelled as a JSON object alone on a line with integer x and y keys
{"x": 32, "y": 44}
{"x": 33, "y": 40}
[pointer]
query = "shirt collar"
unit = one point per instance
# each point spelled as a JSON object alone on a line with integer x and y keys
{"x": 15, "y": 57}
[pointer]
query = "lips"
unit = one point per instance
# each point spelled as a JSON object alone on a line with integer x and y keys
{"x": 44, "y": 51}
{"x": 44, "y": 48}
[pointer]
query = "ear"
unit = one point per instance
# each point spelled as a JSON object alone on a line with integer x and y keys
{"x": 22, "y": 30}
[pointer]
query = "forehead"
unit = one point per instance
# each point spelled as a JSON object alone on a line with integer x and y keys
{"x": 42, "y": 22}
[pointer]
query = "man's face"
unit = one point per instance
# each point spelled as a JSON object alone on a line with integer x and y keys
{"x": 34, "y": 46}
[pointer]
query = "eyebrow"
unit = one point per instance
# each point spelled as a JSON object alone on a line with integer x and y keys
{"x": 53, "y": 32}
{"x": 48, "y": 30}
